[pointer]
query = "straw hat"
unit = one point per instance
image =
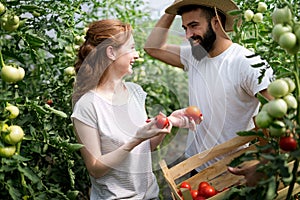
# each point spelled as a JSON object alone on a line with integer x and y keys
{"x": 221, "y": 5}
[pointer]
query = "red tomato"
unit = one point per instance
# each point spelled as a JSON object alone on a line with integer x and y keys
{"x": 49, "y": 102}
{"x": 194, "y": 193}
{"x": 162, "y": 121}
{"x": 179, "y": 192}
{"x": 288, "y": 143}
{"x": 207, "y": 191}
{"x": 202, "y": 184}
{"x": 185, "y": 184}
{"x": 194, "y": 112}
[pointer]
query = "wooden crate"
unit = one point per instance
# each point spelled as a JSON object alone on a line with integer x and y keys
{"x": 217, "y": 173}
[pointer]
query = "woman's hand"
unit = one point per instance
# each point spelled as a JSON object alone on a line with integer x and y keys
{"x": 150, "y": 130}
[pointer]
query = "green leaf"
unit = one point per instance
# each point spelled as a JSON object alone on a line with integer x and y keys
{"x": 29, "y": 174}
{"x": 13, "y": 191}
{"x": 262, "y": 99}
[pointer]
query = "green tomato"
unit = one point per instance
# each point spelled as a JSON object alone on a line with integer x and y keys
{"x": 69, "y": 71}
{"x": 262, "y": 7}
{"x": 265, "y": 107}
{"x": 277, "y": 129}
{"x": 13, "y": 20}
{"x": 248, "y": 14}
{"x": 10, "y": 23}
{"x": 79, "y": 39}
{"x": 278, "y": 88}
{"x": 291, "y": 83}
{"x": 7, "y": 151}
{"x": 13, "y": 110}
{"x": 12, "y": 73}
{"x": 277, "y": 108}
{"x": 287, "y": 40}
{"x": 2, "y": 8}
{"x": 21, "y": 73}
{"x": 258, "y": 17}
{"x": 291, "y": 101}
{"x": 263, "y": 119}
{"x": 279, "y": 29}
{"x": 15, "y": 134}
{"x": 282, "y": 15}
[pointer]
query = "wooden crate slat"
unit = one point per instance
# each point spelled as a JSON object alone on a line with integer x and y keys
{"x": 193, "y": 162}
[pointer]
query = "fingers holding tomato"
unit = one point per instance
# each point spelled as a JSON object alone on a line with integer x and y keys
{"x": 194, "y": 113}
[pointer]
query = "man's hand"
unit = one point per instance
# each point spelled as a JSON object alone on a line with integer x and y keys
{"x": 248, "y": 170}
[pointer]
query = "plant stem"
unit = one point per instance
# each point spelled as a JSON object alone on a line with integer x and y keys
{"x": 1, "y": 60}
{"x": 297, "y": 82}
{"x": 292, "y": 184}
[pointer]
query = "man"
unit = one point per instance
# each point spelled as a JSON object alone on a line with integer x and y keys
{"x": 222, "y": 82}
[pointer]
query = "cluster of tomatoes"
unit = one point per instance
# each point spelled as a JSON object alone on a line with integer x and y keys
{"x": 8, "y": 21}
{"x": 257, "y": 17}
{"x": 272, "y": 113}
{"x": 11, "y": 135}
{"x": 204, "y": 191}
{"x": 286, "y": 30}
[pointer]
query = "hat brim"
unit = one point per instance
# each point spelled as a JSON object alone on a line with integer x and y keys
{"x": 224, "y": 6}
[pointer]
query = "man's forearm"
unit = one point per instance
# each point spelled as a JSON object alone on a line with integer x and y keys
{"x": 158, "y": 35}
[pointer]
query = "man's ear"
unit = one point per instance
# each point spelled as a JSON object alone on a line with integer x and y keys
{"x": 111, "y": 53}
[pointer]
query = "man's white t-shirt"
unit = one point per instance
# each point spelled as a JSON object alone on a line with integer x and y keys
{"x": 224, "y": 88}
{"x": 117, "y": 124}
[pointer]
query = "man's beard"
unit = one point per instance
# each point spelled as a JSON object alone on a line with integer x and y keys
{"x": 204, "y": 45}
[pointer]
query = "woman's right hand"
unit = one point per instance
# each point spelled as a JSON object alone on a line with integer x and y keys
{"x": 150, "y": 130}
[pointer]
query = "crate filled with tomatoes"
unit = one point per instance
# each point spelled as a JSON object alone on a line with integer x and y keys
{"x": 212, "y": 182}
{"x": 215, "y": 181}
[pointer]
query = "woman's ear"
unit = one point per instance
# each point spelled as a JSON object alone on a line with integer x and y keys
{"x": 110, "y": 53}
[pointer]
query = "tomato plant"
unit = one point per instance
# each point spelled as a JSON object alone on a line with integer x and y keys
{"x": 278, "y": 119}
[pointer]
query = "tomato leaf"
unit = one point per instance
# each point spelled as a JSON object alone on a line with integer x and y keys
{"x": 263, "y": 100}
{"x": 250, "y": 133}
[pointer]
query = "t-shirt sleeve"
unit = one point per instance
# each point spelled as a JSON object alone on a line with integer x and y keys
{"x": 85, "y": 112}
{"x": 255, "y": 78}
{"x": 185, "y": 53}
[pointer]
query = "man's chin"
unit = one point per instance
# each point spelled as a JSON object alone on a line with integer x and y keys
{"x": 198, "y": 52}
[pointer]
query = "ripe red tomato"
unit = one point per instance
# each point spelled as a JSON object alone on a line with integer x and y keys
{"x": 185, "y": 184}
{"x": 49, "y": 102}
{"x": 288, "y": 143}
{"x": 207, "y": 191}
{"x": 162, "y": 121}
{"x": 202, "y": 185}
{"x": 179, "y": 192}
{"x": 194, "y": 112}
{"x": 194, "y": 193}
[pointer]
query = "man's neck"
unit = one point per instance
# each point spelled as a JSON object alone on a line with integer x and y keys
{"x": 219, "y": 47}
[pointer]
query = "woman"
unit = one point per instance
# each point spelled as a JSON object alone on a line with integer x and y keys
{"x": 109, "y": 116}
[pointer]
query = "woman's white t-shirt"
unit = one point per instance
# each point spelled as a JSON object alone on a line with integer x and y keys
{"x": 224, "y": 88}
{"x": 117, "y": 124}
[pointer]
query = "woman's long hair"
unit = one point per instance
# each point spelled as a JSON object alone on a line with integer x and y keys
{"x": 92, "y": 61}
